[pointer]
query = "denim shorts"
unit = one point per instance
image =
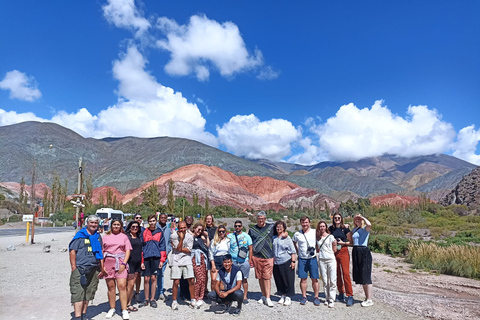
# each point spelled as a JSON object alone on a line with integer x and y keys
{"x": 306, "y": 267}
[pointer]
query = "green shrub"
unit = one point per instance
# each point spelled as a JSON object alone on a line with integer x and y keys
{"x": 394, "y": 246}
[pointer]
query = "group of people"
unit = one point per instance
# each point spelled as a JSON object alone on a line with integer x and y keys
{"x": 194, "y": 251}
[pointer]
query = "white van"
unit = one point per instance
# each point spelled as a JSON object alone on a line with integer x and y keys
{"x": 110, "y": 213}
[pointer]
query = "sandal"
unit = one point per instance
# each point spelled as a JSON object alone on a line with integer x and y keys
{"x": 131, "y": 308}
{"x": 143, "y": 304}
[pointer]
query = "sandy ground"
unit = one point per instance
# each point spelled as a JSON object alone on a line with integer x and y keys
{"x": 34, "y": 285}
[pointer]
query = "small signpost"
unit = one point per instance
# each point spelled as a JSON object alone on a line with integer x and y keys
{"x": 27, "y": 218}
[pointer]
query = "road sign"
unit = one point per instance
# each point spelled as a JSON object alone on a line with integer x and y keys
{"x": 28, "y": 218}
{"x": 77, "y": 196}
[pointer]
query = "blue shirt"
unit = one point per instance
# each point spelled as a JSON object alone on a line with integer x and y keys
{"x": 360, "y": 237}
{"x": 167, "y": 232}
{"x": 244, "y": 240}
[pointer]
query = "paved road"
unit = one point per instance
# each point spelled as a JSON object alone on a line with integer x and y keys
{"x": 38, "y": 230}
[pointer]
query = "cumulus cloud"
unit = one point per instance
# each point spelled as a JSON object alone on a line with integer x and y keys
{"x": 247, "y": 136}
{"x": 124, "y": 14}
{"x": 148, "y": 109}
{"x": 145, "y": 108}
{"x": 21, "y": 86}
{"x": 203, "y": 44}
{"x": 354, "y": 133}
{"x": 466, "y": 144}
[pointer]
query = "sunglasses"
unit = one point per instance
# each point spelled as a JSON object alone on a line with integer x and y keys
{"x": 337, "y": 218}
{"x": 221, "y": 231}
{"x": 136, "y": 218}
{"x": 134, "y": 227}
{"x": 238, "y": 226}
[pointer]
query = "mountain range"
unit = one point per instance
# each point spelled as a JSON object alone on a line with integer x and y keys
{"x": 129, "y": 164}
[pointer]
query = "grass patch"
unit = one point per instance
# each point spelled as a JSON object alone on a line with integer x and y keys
{"x": 457, "y": 260}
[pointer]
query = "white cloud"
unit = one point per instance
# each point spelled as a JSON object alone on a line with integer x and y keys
{"x": 124, "y": 14}
{"x": 145, "y": 108}
{"x": 466, "y": 144}
{"x": 312, "y": 154}
{"x": 267, "y": 73}
{"x": 254, "y": 139}
{"x": 12, "y": 117}
{"x": 21, "y": 86}
{"x": 203, "y": 44}
{"x": 148, "y": 109}
{"x": 353, "y": 133}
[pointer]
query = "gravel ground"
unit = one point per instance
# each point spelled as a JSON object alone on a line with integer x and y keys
{"x": 34, "y": 285}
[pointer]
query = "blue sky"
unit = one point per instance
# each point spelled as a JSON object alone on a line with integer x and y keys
{"x": 300, "y": 82}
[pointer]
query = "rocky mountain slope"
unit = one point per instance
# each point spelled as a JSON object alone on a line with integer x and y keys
{"x": 128, "y": 163}
{"x": 467, "y": 192}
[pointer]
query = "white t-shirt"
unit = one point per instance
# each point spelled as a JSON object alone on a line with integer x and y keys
{"x": 303, "y": 244}
{"x": 326, "y": 251}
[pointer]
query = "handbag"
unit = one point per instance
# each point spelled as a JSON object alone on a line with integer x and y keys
{"x": 242, "y": 252}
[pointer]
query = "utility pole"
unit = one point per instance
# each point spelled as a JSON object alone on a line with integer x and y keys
{"x": 79, "y": 187}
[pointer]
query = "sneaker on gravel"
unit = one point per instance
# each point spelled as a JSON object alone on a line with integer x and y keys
{"x": 236, "y": 312}
{"x": 326, "y": 302}
{"x": 367, "y": 303}
{"x": 282, "y": 300}
{"x": 340, "y": 298}
{"x": 269, "y": 302}
{"x": 349, "y": 301}
{"x": 153, "y": 303}
{"x": 303, "y": 301}
{"x": 261, "y": 300}
{"x": 245, "y": 301}
{"x": 174, "y": 305}
{"x": 125, "y": 315}
{"x": 288, "y": 301}
{"x": 193, "y": 303}
{"x": 199, "y": 304}
{"x": 316, "y": 302}
{"x": 331, "y": 304}
{"x": 161, "y": 296}
{"x": 110, "y": 314}
{"x": 222, "y": 309}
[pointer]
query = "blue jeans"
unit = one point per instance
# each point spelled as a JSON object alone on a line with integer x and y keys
{"x": 160, "y": 275}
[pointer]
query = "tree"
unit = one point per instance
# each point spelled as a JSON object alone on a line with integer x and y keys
{"x": 207, "y": 204}
{"x": 151, "y": 197}
{"x": 33, "y": 200}
{"x": 109, "y": 197}
{"x": 195, "y": 199}
{"x": 89, "y": 192}
{"x": 170, "y": 198}
{"x": 22, "y": 190}
{"x": 327, "y": 209}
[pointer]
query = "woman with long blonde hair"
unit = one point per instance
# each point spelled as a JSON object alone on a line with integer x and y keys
{"x": 219, "y": 247}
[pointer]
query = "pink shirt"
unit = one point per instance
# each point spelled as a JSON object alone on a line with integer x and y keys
{"x": 116, "y": 243}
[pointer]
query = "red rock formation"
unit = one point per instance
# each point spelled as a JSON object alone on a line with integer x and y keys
{"x": 394, "y": 199}
{"x": 225, "y": 188}
{"x": 15, "y": 188}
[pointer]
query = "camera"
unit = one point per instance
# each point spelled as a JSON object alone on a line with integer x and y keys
{"x": 311, "y": 251}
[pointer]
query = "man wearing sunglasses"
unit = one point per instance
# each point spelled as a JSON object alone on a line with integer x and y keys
{"x": 241, "y": 251}
{"x": 262, "y": 248}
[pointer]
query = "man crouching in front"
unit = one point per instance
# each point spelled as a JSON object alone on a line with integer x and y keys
{"x": 85, "y": 258}
{"x": 231, "y": 278}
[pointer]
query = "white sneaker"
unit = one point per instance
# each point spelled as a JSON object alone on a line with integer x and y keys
{"x": 125, "y": 315}
{"x": 326, "y": 302}
{"x": 367, "y": 303}
{"x": 174, "y": 305}
{"x": 110, "y": 313}
{"x": 199, "y": 304}
{"x": 288, "y": 301}
{"x": 193, "y": 303}
{"x": 331, "y": 304}
{"x": 261, "y": 300}
{"x": 269, "y": 302}
{"x": 282, "y": 300}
